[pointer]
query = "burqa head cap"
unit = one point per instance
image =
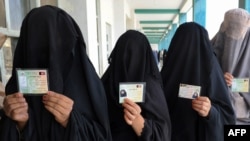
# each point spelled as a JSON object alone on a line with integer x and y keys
{"x": 236, "y": 22}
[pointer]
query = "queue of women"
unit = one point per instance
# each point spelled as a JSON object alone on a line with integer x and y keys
{"x": 79, "y": 105}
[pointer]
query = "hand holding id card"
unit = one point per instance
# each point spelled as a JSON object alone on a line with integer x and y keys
{"x": 32, "y": 81}
{"x": 189, "y": 91}
{"x": 132, "y": 90}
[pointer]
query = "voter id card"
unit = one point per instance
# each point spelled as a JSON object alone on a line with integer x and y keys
{"x": 135, "y": 91}
{"x": 240, "y": 85}
{"x": 32, "y": 81}
{"x": 189, "y": 91}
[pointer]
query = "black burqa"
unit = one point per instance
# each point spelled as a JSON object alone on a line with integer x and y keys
{"x": 51, "y": 39}
{"x": 132, "y": 60}
{"x": 191, "y": 60}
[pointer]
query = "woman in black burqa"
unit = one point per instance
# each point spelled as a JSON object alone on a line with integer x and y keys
{"x": 75, "y": 108}
{"x": 191, "y": 60}
{"x": 132, "y": 60}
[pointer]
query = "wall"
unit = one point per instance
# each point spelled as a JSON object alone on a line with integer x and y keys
{"x": 116, "y": 13}
{"x": 107, "y": 17}
{"x": 86, "y": 19}
{"x": 215, "y": 14}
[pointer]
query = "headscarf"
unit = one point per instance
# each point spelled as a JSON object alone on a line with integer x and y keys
{"x": 232, "y": 48}
{"x": 132, "y": 60}
{"x": 51, "y": 39}
{"x": 190, "y": 60}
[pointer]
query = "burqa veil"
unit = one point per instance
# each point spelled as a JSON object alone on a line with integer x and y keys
{"x": 232, "y": 48}
{"x": 51, "y": 39}
{"x": 190, "y": 60}
{"x": 132, "y": 60}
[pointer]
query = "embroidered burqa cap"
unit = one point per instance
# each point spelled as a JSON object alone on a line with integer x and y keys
{"x": 236, "y": 22}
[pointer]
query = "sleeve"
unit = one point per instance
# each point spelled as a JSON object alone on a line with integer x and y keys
{"x": 81, "y": 128}
{"x": 157, "y": 126}
{"x": 8, "y": 130}
{"x": 221, "y": 112}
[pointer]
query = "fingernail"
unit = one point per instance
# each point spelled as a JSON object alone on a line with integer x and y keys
{"x": 45, "y": 97}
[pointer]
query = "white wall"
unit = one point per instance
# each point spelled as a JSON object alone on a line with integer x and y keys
{"x": 215, "y": 14}
{"x": 117, "y": 13}
{"x": 120, "y": 18}
{"x": 107, "y": 16}
{"x": 92, "y": 33}
{"x": 130, "y": 22}
{"x": 84, "y": 13}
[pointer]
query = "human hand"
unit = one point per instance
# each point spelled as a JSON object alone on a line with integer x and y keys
{"x": 202, "y": 105}
{"x": 132, "y": 115}
{"x": 59, "y": 105}
{"x": 16, "y": 108}
{"x": 229, "y": 78}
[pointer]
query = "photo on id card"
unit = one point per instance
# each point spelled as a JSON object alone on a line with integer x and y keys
{"x": 189, "y": 91}
{"x": 135, "y": 91}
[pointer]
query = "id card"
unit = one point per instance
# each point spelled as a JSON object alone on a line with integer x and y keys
{"x": 189, "y": 91}
{"x": 32, "y": 81}
{"x": 134, "y": 91}
{"x": 240, "y": 85}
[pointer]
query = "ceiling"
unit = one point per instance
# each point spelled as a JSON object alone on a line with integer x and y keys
{"x": 155, "y": 17}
